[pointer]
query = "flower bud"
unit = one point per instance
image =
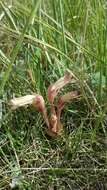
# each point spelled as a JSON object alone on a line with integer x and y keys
{"x": 54, "y": 88}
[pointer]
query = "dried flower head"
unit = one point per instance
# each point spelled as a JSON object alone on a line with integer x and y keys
{"x": 21, "y": 101}
{"x": 56, "y": 87}
{"x": 35, "y": 100}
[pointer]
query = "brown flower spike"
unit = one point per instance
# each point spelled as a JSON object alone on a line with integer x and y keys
{"x": 53, "y": 123}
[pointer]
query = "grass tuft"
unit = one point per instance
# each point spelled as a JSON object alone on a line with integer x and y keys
{"x": 39, "y": 40}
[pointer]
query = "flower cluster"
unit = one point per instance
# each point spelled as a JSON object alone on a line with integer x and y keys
{"x": 53, "y": 122}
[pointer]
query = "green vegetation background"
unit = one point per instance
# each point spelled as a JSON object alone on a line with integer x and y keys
{"x": 39, "y": 40}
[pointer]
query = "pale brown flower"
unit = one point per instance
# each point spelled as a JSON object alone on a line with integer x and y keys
{"x": 53, "y": 123}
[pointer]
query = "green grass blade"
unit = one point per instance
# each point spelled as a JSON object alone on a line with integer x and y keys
{"x": 18, "y": 45}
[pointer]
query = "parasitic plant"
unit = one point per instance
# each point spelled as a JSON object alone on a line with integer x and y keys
{"x": 53, "y": 122}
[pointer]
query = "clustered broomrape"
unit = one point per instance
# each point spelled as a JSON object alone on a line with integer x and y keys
{"x": 53, "y": 122}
